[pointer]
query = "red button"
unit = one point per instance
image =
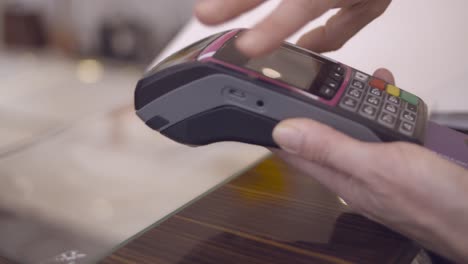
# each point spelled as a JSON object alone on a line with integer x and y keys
{"x": 377, "y": 83}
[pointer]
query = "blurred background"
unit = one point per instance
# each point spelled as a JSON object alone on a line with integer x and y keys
{"x": 113, "y": 29}
{"x": 57, "y": 54}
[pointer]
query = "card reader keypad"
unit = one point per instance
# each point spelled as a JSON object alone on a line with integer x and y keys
{"x": 383, "y": 103}
{"x": 332, "y": 83}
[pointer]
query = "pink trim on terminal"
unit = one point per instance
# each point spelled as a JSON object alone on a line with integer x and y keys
{"x": 219, "y": 42}
{"x": 334, "y": 101}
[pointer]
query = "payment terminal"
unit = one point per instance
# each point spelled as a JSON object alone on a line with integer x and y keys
{"x": 210, "y": 92}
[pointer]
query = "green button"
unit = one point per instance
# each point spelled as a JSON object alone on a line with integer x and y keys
{"x": 409, "y": 97}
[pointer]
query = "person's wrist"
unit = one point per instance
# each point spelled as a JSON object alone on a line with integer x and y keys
{"x": 448, "y": 230}
{"x": 454, "y": 230}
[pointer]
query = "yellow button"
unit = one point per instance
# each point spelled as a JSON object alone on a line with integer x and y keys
{"x": 393, "y": 90}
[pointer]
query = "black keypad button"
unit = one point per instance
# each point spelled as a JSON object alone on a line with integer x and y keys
{"x": 327, "y": 92}
{"x": 332, "y": 84}
{"x": 387, "y": 120}
{"x": 376, "y": 92}
{"x": 358, "y": 84}
{"x": 391, "y": 108}
{"x": 349, "y": 103}
{"x": 408, "y": 116}
{"x": 368, "y": 111}
{"x": 406, "y": 128}
{"x": 340, "y": 69}
{"x": 355, "y": 93}
{"x": 394, "y": 100}
{"x": 373, "y": 100}
{"x": 336, "y": 76}
{"x": 413, "y": 108}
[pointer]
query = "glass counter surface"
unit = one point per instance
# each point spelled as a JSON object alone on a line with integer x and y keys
{"x": 79, "y": 172}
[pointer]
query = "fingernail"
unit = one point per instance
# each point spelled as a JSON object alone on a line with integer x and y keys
{"x": 288, "y": 138}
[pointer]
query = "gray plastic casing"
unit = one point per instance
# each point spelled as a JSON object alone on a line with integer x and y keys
{"x": 221, "y": 90}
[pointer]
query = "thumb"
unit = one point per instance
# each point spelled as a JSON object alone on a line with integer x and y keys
{"x": 385, "y": 75}
{"x": 323, "y": 145}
